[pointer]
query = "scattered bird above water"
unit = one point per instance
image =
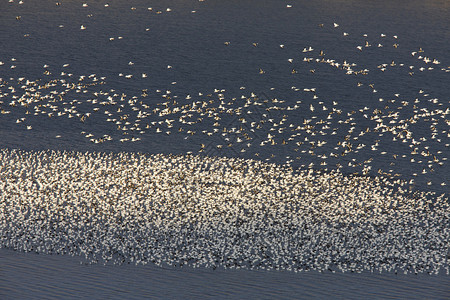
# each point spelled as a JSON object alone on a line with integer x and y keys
{"x": 327, "y": 124}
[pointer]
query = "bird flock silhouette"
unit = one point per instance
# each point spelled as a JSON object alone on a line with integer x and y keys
{"x": 301, "y": 183}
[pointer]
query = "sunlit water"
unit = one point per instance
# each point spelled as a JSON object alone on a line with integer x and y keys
{"x": 387, "y": 115}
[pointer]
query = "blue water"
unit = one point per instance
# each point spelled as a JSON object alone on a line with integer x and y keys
{"x": 63, "y": 277}
{"x": 193, "y": 43}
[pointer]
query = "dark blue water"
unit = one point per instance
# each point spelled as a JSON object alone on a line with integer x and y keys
{"x": 64, "y": 277}
{"x": 216, "y": 51}
{"x": 220, "y": 48}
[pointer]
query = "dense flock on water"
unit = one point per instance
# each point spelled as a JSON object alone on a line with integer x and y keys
{"x": 217, "y": 213}
{"x": 301, "y": 182}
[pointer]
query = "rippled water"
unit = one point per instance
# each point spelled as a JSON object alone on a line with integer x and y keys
{"x": 62, "y": 277}
{"x": 193, "y": 43}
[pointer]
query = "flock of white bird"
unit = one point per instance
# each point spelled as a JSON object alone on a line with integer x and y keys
{"x": 401, "y": 133}
{"x": 327, "y": 136}
{"x": 216, "y": 213}
{"x": 203, "y": 211}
